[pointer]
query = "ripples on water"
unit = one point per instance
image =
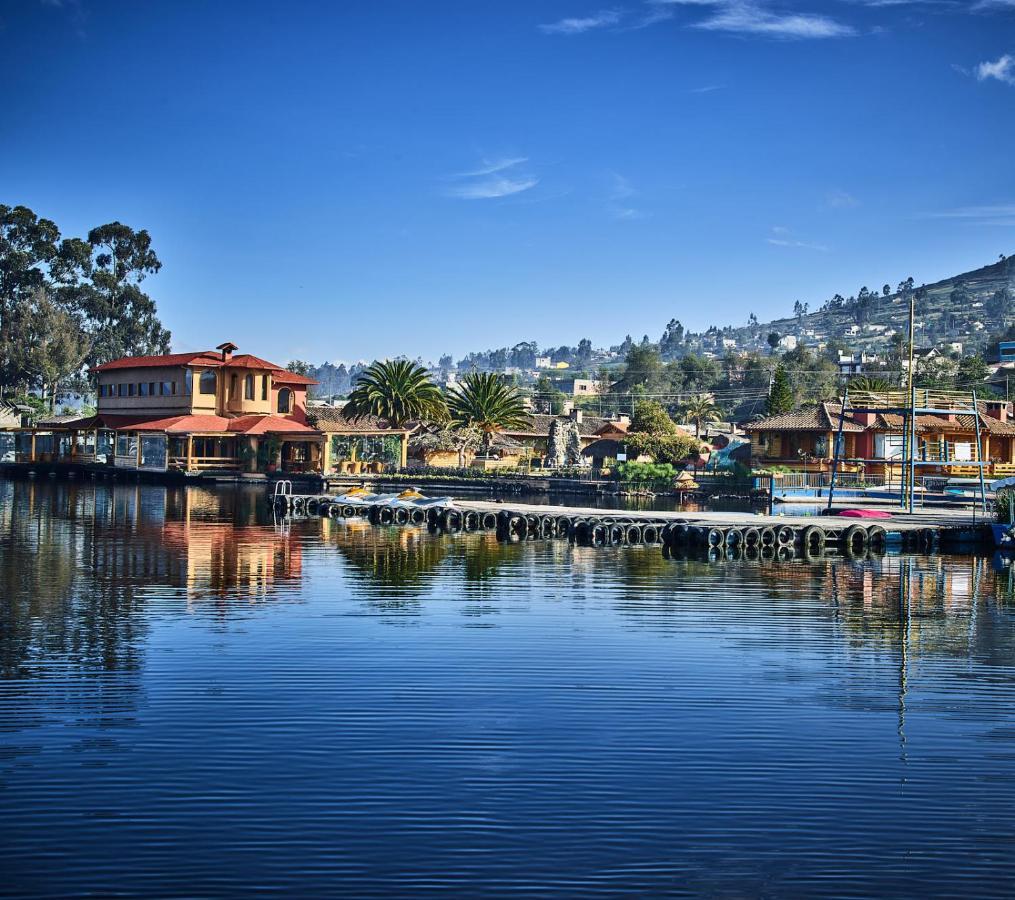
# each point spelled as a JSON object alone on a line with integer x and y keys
{"x": 197, "y": 701}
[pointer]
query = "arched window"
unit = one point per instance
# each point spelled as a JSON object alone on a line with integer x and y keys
{"x": 248, "y": 388}
{"x": 285, "y": 400}
{"x": 206, "y": 385}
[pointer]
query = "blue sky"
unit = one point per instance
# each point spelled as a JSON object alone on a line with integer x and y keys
{"x": 359, "y": 179}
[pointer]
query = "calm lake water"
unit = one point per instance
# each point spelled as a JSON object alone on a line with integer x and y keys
{"x": 199, "y": 701}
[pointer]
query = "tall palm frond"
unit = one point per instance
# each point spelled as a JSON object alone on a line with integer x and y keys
{"x": 399, "y": 391}
{"x": 484, "y": 400}
{"x": 701, "y": 410}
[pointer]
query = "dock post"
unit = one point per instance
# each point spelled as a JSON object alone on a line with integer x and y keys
{"x": 835, "y": 449}
{"x": 979, "y": 454}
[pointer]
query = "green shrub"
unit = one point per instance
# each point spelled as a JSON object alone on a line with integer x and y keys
{"x": 647, "y": 472}
{"x": 1003, "y": 505}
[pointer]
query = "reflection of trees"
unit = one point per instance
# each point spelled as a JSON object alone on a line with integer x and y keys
{"x": 399, "y": 558}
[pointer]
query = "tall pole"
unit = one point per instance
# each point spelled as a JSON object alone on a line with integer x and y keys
{"x": 907, "y": 479}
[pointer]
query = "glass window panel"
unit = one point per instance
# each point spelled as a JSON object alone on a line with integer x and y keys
{"x": 153, "y": 451}
{"x": 7, "y": 446}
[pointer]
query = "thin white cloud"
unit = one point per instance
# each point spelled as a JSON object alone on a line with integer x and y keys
{"x": 751, "y": 19}
{"x": 492, "y": 166}
{"x": 492, "y": 188}
{"x": 1000, "y": 214}
{"x": 619, "y": 205}
{"x": 706, "y": 89}
{"x": 841, "y": 200}
{"x": 1002, "y": 69}
{"x": 989, "y": 5}
{"x": 784, "y": 238}
{"x": 803, "y": 245}
{"x": 601, "y": 19}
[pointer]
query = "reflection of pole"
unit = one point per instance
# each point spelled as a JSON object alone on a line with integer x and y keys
{"x": 912, "y": 448}
{"x": 905, "y": 619}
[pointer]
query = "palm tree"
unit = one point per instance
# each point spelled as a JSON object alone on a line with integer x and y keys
{"x": 484, "y": 400}
{"x": 871, "y": 384}
{"x": 399, "y": 391}
{"x": 701, "y": 410}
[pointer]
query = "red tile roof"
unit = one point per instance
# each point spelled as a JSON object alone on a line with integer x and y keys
{"x": 207, "y": 358}
{"x": 818, "y": 417}
{"x": 200, "y": 424}
{"x": 249, "y": 361}
{"x": 284, "y": 376}
{"x": 255, "y": 425}
{"x": 201, "y": 357}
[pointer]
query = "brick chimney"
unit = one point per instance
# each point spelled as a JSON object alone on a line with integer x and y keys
{"x": 228, "y": 348}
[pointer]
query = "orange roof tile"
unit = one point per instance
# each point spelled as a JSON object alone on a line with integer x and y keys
{"x": 200, "y": 357}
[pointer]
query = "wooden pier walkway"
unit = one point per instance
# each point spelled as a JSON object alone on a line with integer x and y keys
{"x": 923, "y": 530}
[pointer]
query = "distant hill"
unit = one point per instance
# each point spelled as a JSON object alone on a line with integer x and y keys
{"x": 968, "y": 308}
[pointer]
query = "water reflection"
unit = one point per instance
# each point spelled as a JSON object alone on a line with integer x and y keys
{"x": 199, "y": 699}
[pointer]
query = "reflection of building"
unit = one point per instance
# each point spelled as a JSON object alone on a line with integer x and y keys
{"x": 207, "y": 411}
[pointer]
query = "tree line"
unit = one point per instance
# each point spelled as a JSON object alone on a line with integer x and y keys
{"x": 70, "y": 303}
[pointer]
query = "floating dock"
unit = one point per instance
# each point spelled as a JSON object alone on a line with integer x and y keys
{"x": 677, "y": 533}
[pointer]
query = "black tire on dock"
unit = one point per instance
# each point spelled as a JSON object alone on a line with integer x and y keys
{"x": 696, "y": 536}
{"x": 400, "y": 515}
{"x": 734, "y": 537}
{"x": 579, "y": 530}
{"x": 433, "y": 516}
{"x": 877, "y": 538}
{"x": 768, "y": 537}
{"x": 650, "y": 533}
{"x": 299, "y": 505}
{"x": 599, "y": 535}
{"x": 855, "y": 540}
{"x": 312, "y": 504}
{"x": 386, "y": 515}
{"x": 633, "y": 535}
{"x": 451, "y": 521}
{"x": 489, "y": 521}
{"x": 752, "y": 536}
{"x": 618, "y": 533}
{"x": 348, "y": 511}
{"x": 714, "y": 537}
{"x": 814, "y": 539}
{"x": 532, "y": 526}
{"x": 334, "y": 510}
{"x": 785, "y": 536}
{"x": 547, "y": 527}
{"x": 374, "y": 515}
{"x": 517, "y": 527}
{"x": 562, "y": 527}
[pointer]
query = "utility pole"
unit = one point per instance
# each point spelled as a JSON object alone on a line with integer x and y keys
{"x": 908, "y": 486}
